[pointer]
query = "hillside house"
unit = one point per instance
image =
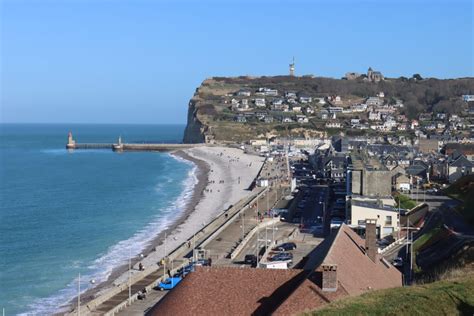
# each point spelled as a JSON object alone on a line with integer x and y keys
{"x": 335, "y": 109}
{"x": 425, "y": 117}
{"x": 260, "y": 102}
{"x": 324, "y": 114}
{"x": 268, "y": 119}
{"x": 359, "y": 107}
{"x": 304, "y": 98}
{"x": 240, "y": 119}
{"x": 458, "y": 166}
{"x": 302, "y": 119}
{"x": 277, "y": 101}
{"x": 333, "y": 124}
{"x": 244, "y": 93}
{"x": 374, "y": 116}
{"x": 374, "y": 101}
{"x": 296, "y": 108}
{"x": 290, "y": 95}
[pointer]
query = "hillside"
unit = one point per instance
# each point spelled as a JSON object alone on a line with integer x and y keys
{"x": 242, "y": 108}
{"x": 463, "y": 190}
{"x": 448, "y": 297}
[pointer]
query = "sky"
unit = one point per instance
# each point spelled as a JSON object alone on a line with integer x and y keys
{"x": 138, "y": 61}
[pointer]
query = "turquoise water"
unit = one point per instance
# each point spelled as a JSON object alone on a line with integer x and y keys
{"x": 64, "y": 213}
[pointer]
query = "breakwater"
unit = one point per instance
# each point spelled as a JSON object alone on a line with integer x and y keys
{"x": 120, "y": 146}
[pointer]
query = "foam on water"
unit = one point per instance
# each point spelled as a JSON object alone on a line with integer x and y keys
{"x": 117, "y": 255}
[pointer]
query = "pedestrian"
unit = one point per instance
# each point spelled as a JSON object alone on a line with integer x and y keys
{"x": 140, "y": 267}
{"x": 169, "y": 273}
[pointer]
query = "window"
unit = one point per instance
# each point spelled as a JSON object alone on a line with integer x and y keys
{"x": 388, "y": 220}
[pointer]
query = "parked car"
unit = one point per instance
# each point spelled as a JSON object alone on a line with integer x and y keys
{"x": 282, "y": 256}
{"x": 250, "y": 259}
{"x": 285, "y": 247}
{"x": 186, "y": 270}
{"x": 169, "y": 283}
{"x": 336, "y": 222}
{"x": 398, "y": 262}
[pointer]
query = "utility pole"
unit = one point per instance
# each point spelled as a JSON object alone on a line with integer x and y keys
{"x": 268, "y": 203}
{"x": 411, "y": 258}
{"x": 399, "y": 219}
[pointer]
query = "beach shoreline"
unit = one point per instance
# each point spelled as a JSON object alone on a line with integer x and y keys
{"x": 206, "y": 202}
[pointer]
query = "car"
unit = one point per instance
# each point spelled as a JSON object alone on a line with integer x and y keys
{"x": 285, "y": 247}
{"x": 169, "y": 283}
{"x": 398, "y": 262}
{"x": 336, "y": 222}
{"x": 250, "y": 259}
{"x": 282, "y": 256}
{"x": 186, "y": 270}
{"x": 202, "y": 262}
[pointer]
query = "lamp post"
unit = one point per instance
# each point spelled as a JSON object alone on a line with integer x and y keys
{"x": 79, "y": 295}
{"x": 130, "y": 276}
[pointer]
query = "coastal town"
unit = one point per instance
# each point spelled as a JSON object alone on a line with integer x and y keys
{"x": 309, "y": 220}
{"x": 221, "y": 158}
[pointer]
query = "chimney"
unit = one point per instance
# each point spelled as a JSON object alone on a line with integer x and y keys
{"x": 371, "y": 238}
{"x": 329, "y": 280}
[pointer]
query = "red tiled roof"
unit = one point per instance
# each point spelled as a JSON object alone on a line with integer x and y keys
{"x": 246, "y": 291}
{"x": 356, "y": 271}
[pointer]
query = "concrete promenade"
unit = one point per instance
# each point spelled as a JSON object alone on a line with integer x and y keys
{"x": 117, "y": 299}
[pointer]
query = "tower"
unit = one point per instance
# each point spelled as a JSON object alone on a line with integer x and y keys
{"x": 369, "y": 73}
{"x": 71, "y": 143}
{"x": 292, "y": 68}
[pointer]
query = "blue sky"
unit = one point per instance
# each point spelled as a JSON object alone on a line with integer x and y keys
{"x": 117, "y": 61}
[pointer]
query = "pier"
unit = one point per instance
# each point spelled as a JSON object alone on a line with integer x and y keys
{"x": 120, "y": 146}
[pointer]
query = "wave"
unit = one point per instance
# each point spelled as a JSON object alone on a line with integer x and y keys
{"x": 118, "y": 254}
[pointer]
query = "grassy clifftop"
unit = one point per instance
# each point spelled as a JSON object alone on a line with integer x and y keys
{"x": 449, "y": 297}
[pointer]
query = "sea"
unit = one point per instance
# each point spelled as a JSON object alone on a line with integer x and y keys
{"x": 65, "y": 213}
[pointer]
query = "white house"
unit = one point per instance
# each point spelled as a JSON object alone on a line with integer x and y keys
{"x": 335, "y": 109}
{"x": 333, "y": 125}
{"x": 302, "y": 119}
{"x": 260, "y": 102}
{"x": 386, "y": 216}
{"x": 359, "y": 107}
{"x": 296, "y": 108}
{"x": 374, "y": 116}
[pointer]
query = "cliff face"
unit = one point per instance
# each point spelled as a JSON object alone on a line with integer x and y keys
{"x": 194, "y": 132}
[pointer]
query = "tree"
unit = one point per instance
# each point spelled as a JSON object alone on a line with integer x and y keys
{"x": 417, "y": 77}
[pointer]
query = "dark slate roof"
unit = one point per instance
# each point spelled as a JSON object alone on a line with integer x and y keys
{"x": 461, "y": 161}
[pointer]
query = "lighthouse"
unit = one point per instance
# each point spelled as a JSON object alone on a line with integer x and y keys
{"x": 292, "y": 68}
{"x": 71, "y": 143}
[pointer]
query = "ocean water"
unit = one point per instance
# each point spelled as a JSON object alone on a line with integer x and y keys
{"x": 64, "y": 213}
